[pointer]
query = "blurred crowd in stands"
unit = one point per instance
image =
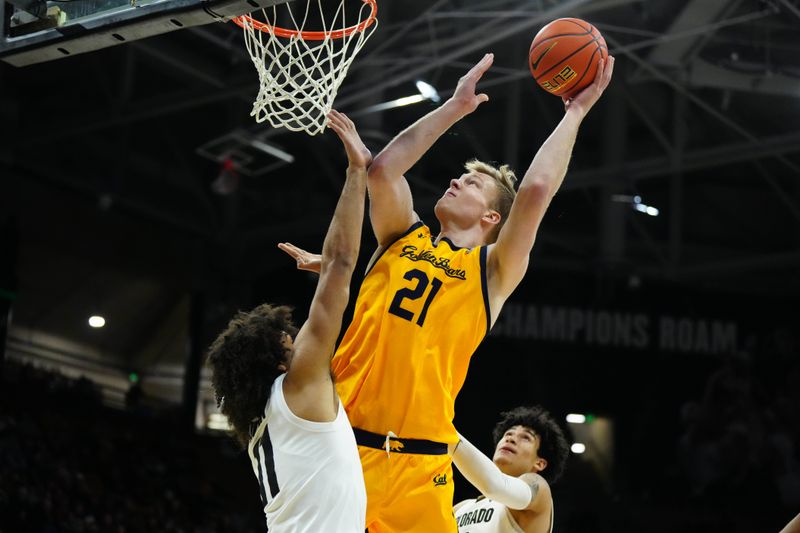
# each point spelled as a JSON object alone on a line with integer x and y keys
{"x": 741, "y": 440}
{"x": 68, "y": 464}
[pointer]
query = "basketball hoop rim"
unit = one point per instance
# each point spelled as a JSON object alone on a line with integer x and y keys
{"x": 246, "y": 20}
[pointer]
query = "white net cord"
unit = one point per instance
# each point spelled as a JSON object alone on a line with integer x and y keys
{"x": 299, "y": 77}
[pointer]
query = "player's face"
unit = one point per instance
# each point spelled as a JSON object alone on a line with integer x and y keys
{"x": 518, "y": 451}
{"x": 467, "y": 199}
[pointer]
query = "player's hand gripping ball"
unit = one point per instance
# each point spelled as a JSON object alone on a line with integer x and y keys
{"x": 564, "y": 55}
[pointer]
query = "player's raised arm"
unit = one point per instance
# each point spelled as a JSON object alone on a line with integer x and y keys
{"x": 315, "y": 342}
{"x": 508, "y": 257}
{"x": 793, "y": 526}
{"x": 391, "y": 205}
{"x": 513, "y": 492}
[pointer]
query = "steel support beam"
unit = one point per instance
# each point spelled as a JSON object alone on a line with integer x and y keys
{"x": 612, "y": 214}
{"x": 704, "y": 74}
{"x": 696, "y": 160}
{"x": 696, "y": 13}
{"x": 676, "y": 182}
{"x": 138, "y": 111}
{"x": 571, "y": 8}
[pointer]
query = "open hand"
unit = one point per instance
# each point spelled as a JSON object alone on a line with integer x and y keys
{"x": 584, "y": 100}
{"x": 357, "y": 153}
{"x": 305, "y": 260}
{"x": 465, "y": 91}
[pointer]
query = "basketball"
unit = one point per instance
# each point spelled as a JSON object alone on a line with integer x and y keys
{"x": 564, "y": 55}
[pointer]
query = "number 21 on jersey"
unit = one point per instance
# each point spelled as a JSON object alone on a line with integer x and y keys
{"x": 415, "y": 293}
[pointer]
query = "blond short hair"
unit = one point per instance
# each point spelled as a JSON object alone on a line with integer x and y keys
{"x": 504, "y": 179}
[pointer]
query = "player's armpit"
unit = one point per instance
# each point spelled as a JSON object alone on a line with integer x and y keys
{"x": 509, "y": 256}
{"x": 308, "y": 384}
{"x": 540, "y": 491}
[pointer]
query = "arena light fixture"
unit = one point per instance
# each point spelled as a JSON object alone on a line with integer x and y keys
{"x": 574, "y": 418}
{"x": 426, "y": 92}
{"x": 96, "y": 321}
{"x": 578, "y": 447}
{"x": 271, "y": 149}
{"x": 636, "y": 203}
{"x": 642, "y": 208}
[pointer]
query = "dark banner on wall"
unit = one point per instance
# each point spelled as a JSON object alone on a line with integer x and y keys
{"x": 641, "y": 354}
{"x": 602, "y": 328}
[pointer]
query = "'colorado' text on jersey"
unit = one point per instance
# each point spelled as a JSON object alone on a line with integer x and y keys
{"x": 483, "y": 515}
{"x": 421, "y": 312}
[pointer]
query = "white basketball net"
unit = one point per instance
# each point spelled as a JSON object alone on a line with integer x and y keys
{"x": 300, "y": 77}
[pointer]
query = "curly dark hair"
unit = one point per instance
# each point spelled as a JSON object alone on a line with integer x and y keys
{"x": 244, "y": 361}
{"x": 553, "y": 447}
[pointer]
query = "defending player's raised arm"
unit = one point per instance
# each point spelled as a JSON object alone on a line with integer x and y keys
{"x": 793, "y": 526}
{"x": 508, "y": 257}
{"x": 515, "y": 493}
{"x": 315, "y": 342}
{"x": 391, "y": 204}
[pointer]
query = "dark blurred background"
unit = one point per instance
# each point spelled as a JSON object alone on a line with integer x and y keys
{"x": 675, "y": 335}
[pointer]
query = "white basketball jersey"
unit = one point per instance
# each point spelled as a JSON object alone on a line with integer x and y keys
{"x": 309, "y": 472}
{"x": 487, "y": 516}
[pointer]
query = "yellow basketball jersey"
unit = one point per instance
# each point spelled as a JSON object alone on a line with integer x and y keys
{"x": 421, "y": 312}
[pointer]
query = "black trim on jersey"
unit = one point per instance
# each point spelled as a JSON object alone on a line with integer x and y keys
{"x": 261, "y": 490}
{"x": 453, "y": 246}
{"x": 416, "y": 225}
{"x": 485, "y": 288}
{"x": 269, "y": 459}
{"x": 415, "y": 446}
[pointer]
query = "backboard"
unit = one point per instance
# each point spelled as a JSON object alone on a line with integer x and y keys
{"x": 43, "y": 30}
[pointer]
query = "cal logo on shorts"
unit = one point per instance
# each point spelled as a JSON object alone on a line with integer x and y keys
{"x": 421, "y": 312}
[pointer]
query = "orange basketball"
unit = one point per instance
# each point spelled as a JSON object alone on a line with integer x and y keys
{"x": 564, "y": 55}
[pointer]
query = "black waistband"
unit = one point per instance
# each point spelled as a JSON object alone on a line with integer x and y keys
{"x": 399, "y": 444}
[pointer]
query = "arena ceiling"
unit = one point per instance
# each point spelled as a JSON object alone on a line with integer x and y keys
{"x": 107, "y": 181}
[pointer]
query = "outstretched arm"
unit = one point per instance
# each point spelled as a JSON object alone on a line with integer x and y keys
{"x": 315, "y": 342}
{"x": 514, "y": 492}
{"x": 793, "y": 526}
{"x": 391, "y": 206}
{"x": 508, "y": 257}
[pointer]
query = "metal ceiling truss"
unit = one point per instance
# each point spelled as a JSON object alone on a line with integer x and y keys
{"x": 685, "y": 39}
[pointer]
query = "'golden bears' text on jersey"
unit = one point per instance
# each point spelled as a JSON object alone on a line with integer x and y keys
{"x": 421, "y": 312}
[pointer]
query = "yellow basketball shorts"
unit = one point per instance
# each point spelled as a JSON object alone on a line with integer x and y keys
{"x": 408, "y": 492}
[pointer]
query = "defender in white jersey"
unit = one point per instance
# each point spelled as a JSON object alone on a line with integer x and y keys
{"x": 530, "y": 452}
{"x": 278, "y": 394}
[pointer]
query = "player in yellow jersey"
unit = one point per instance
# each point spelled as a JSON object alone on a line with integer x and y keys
{"x": 428, "y": 300}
